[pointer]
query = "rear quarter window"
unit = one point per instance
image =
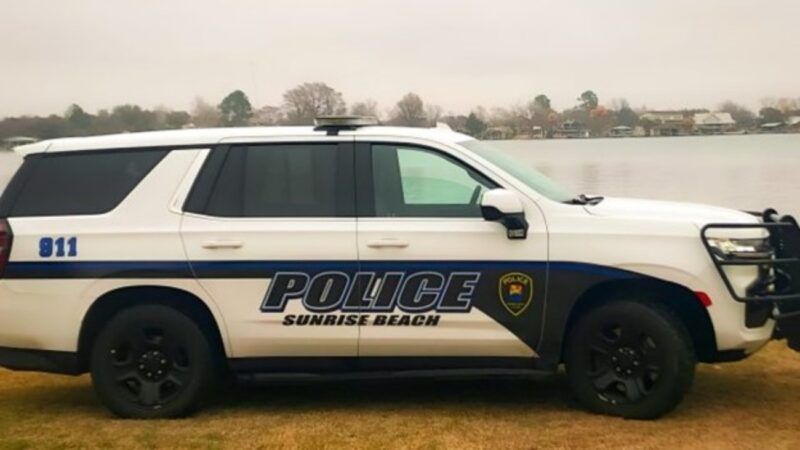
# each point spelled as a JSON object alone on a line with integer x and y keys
{"x": 78, "y": 183}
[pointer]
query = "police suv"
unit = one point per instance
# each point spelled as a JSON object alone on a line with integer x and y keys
{"x": 161, "y": 261}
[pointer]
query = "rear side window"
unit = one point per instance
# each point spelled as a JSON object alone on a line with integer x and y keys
{"x": 291, "y": 180}
{"x": 81, "y": 183}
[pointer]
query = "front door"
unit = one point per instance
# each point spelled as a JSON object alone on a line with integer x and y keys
{"x": 447, "y": 283}
{"x": 271, "y": 235}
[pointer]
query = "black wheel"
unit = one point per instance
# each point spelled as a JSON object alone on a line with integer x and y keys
{"x": 630, "y": 358}
{"x": 151, "y": 361}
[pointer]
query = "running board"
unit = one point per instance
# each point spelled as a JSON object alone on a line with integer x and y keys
{"x": 466, "y": 374}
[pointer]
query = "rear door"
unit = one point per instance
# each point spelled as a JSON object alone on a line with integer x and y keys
{"x": 447, "y": 283}
{"x": 271, "y": 235}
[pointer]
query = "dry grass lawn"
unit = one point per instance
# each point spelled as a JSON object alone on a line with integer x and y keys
{"x": 752, "y": 404}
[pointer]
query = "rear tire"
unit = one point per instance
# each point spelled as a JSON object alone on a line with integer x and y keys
{"x": 151, "y": 362}
{"x": 630, "y": 358}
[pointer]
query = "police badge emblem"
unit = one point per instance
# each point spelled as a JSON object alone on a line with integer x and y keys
{"x": 516, "y": 292}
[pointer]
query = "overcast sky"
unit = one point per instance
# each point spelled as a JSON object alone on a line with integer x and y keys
{"x": 658, "y": 53}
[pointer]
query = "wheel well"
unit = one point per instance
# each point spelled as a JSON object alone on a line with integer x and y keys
{"x": 108, "y": 305}
{"x": 678, "y": 299}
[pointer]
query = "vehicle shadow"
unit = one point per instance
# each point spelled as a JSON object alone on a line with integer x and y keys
{"x": 713, "y": 391}
{"x": 551, "y": 392}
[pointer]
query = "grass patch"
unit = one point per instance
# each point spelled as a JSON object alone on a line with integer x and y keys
{"x": 751, "y": 404}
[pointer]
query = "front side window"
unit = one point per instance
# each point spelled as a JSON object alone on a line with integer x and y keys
{"x": 526, "y": 174}
{"x": 291, "y": 180}
{"x": 417, "y": 182}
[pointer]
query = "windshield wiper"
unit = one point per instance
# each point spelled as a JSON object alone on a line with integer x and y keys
{"x": 584, "y": 199}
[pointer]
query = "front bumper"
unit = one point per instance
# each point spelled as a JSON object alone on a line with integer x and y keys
{"x": 775, "y": 294}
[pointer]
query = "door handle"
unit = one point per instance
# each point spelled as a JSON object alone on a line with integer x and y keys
{"x": 216, "y": 245}
{"x": 387, "y": 243}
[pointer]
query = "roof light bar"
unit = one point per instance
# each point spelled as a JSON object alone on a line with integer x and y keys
{"x": 345, "y": 121}
{"x": 333, "y": 124}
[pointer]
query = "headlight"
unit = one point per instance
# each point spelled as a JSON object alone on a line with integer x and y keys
{"x": 727, "y": 248}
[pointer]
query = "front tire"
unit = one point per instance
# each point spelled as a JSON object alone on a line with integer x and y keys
{"x": 630, "y": 358}
{"x": 151, "y": 362}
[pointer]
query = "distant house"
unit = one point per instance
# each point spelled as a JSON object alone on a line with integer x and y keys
{"x": 713, "y": 123}
{"x": 620, "y": 131}
{"x": 665, "y": 123}
{"x": 771, "y": 127}
{"x": 17, "y": 140}
{"x": 534, "y": 132}
{"x": 571, "y": 129}
{"x": 793, "y": 124}
{"x": 498, "y": 133}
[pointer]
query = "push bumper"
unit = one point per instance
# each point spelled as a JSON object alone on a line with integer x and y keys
{"x": 775, "y": 294}
{"x": 788, "y": 327}
{"x": 39, "y": 361}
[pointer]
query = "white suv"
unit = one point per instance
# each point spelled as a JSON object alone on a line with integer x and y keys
{"x": 161, "y": 261}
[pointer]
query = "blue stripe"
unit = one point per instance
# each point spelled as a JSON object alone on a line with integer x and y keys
{"x": 77, "y": 266}
{"x": 181, "y": 269}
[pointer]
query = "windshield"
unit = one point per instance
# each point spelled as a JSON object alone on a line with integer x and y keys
{"x": 524, "y": 173}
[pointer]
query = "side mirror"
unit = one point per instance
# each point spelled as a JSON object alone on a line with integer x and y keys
{"x": 501, "y": 205}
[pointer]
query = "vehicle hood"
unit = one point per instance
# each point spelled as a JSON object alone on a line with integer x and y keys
{"x": 698, "y": 214}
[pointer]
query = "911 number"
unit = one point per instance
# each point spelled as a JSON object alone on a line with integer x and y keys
{"x": 58, "y": 247}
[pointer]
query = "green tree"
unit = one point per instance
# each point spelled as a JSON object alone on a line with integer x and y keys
{"x": 770, "y": 114}
{"x": 542, "y": 103}
{"x": 625, "y": 115}
{"x": 744, "y": 117}
{"x": 589, "y": 100}
{"x": 235, "y": 109}
{"x": 48, "y": 127}
{"x": 78, "y": 121}
{"x": 648, "y": 124}
{"x": 539, "y": 111}
{"x": 176, "y": 119}
{"x": 474, "y": 125}
{"x": 132, "y": 118}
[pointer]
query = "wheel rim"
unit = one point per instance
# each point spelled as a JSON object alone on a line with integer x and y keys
{"x": 625, "y": 362}
{"x": 150, "y": 365}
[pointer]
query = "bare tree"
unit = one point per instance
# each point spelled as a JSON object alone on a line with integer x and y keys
{"x": 310, "y": 100}
{"x": 367, "y": 108}
{"x": 433, "y": 113}
{"x": 409, "y": 111}
{"x": 204, "y": 114}
{"x": 268, "y": 115}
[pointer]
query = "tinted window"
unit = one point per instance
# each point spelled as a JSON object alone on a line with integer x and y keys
{"x": 81, "y": 183}
{"x": 293, "y": 180}
{"x": 415, "y": 182}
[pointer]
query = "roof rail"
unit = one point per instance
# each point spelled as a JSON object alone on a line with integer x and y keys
{"x": 332, "y": 125}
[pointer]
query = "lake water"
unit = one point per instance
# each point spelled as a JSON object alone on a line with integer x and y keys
{"x": 743, "y": 172}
